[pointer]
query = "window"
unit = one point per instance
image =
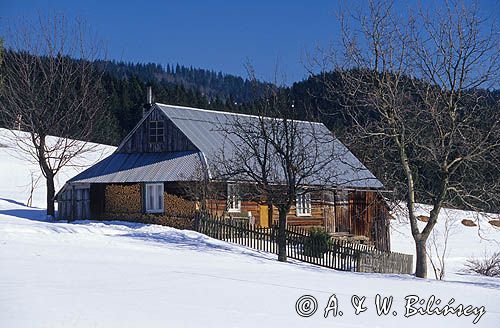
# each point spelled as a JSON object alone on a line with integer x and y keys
{"x": 154, "y": 197}
{"x": 303, "y": 203}
{"x": 233, "y": 198}
{"x": 156, "y": 131}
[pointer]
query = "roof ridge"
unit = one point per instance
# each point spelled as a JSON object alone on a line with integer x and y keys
{"x": 225, "y": 113}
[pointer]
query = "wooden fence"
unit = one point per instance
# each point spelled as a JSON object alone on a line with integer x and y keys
{"x": 335, "y": 254}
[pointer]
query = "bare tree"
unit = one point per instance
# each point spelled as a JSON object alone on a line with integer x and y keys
{"x": 202, "y": 190}
{"x": 278, "y": 156}
{"x": 51, "y": 88}
{"x": 412, "y": 86}
{"x": 438, "y": 247}
{"x": 35, "y": 178}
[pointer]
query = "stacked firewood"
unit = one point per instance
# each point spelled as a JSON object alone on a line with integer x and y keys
{"x": 178, "y": 206}
{"x": 123, "y": 198}
{"x": 170, "y": 221}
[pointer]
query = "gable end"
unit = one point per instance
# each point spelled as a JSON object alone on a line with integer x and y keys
{"x": 139, "y": 141}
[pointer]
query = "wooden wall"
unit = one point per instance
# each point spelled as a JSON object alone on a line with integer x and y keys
{"x": 173, "y": 138}
{"x": 353, "y": 213}
{"x": 218, "y": 207}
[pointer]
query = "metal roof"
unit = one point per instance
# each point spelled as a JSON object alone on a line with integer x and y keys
{"x": 143, "y": 167}
{"x": 205, "y": 128}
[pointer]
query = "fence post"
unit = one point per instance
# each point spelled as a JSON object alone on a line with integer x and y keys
{"x": 197, "y": 222}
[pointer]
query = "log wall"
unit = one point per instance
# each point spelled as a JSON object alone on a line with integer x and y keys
{"x": 359, "y": 214}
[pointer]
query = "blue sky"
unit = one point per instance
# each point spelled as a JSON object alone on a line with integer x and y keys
{"x": 218, "y": 35}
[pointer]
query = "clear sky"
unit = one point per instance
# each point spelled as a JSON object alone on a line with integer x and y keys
{"x": 218, "y": 35}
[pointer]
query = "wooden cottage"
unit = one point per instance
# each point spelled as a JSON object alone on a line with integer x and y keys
{"x": 155, "y": 173}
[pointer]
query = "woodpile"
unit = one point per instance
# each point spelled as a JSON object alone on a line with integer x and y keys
{"x": 165, "y": 220}
{"x": 177, "y": 206}
{"x": 124, "y": 203}
{"x": 123, "y": 198}
{"x": 469, "y": 223}
{"x": 169, "y": 221}
{"x": 495, "y": 223}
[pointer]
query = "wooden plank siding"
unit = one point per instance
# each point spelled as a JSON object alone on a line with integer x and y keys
{"x": 351, "y": 214}
{"x": 173, "y": 138}
{"x": 218, "y": 207}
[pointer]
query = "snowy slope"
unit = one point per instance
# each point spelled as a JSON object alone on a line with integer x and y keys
{"x": 463, "y": 242}
{"x": 116, "y": 274}
{"x": 16, "y": 169}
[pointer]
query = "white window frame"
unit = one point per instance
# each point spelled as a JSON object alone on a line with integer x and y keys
{"x": 154, "y": 197}
{"x": 233, "y": 198}
{"x": 303, "y": 204}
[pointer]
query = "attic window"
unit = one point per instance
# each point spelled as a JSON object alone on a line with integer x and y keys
{"x": 155, "y": 131}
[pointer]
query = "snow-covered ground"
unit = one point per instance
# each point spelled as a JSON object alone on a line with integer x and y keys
{"x": 19, "y": 172}
{"x": 464, "y": 242}
{"x": 116, "y": 274}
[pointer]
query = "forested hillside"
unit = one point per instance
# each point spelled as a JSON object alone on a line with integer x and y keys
{"x": 208, "y": 83}
{"x": 482, "y": 179}
{"x": 124, "y": 87}
{"x": 126, "y": 97}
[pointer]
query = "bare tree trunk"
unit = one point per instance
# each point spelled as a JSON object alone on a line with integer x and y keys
{"x": 425, "y": 79}
{"x": 269, "y": 151}
{"x": 47, "y": 172}
{"x": 51, "y": 191}
{"x": 421, "y": 266}
{"x": 269, "y": 214}
{"x": 282, "y": 234}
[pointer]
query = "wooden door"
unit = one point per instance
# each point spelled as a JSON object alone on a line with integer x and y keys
{"x": 264, "y": 217}
{"x": 342, "y": 214}
{"x": 82, "y": 202}
{"x": 330, "y": 218}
